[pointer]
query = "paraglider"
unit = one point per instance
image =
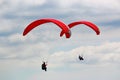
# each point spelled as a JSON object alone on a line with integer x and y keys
{"x": 89, "y": 24}
{"x": 60, "y": 24}
{"x": 80, "y": 58}
{"x": 44, "y": 66}
{"x": 36, "y": 23}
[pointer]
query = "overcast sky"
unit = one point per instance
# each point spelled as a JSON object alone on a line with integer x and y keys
{"x": 21, "y": 56}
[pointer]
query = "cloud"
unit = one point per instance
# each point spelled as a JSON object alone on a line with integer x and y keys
{"x": 90, "y": 5}
{"x": 86, "y": 73}
{"x": 22, "y": 2}
{"x": 30, "y": 50}
{"x": 64, "y": 8}
{"x": 102, "y": 54}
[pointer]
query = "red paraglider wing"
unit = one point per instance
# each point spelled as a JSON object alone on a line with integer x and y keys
{"x": 89, "y": 24}
{"x": 34, "y": 24}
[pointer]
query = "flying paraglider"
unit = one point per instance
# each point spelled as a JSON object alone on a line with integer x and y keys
{"x": 43, "y": 66}
{"x": 34, "y": 24}
{"x": 80, "y": 58}
{"x": 87, "y": 23}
